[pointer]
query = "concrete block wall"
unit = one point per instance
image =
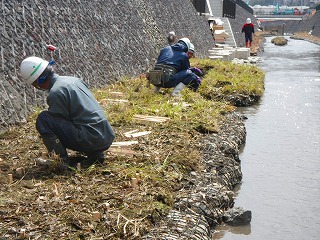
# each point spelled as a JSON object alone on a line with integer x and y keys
{"x": 98, "y": 40}
{"x": 293, "y": 26}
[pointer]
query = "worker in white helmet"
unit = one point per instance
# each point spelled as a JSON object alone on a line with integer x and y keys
{"x": 248, "y": 29}
{"x": 74, "y": 119}
{"x": 174, "y": 63}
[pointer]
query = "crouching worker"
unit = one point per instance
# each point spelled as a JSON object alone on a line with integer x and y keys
{"x": 172, "y": 69}
{"x": 74, "y": 119}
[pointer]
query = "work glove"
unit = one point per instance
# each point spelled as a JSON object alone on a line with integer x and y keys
{"x": 197, "y": 71}
{"x": 199, "y": 80}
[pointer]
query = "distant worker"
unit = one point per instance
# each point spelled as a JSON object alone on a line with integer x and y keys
{"x": 248, "y": 29}
{"x": 212, "y": 24}
{"x": 171, "y": 38}
{"x": 74, "y": 119}
{"x": 173, "y": 68}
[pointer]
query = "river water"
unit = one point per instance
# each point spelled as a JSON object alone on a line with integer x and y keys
{"x": 281, "y": 158}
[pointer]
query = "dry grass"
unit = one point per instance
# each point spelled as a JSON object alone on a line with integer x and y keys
{"x": 307, "y": 36}
{"x": 102, "y": 201}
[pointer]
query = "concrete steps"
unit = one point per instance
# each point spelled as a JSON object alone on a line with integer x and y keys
{"x": 227, "y": 27}
{"x": 228, "y": 53}
{"x": 228, "y": 50}
{"x": 215, "y": 9}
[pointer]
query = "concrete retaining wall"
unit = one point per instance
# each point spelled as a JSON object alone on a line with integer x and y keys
{"x": 305, "y": 25}
{"x": 99, "y": 41}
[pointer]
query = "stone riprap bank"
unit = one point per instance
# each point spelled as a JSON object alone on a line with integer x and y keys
{"x": 99, "y": 41}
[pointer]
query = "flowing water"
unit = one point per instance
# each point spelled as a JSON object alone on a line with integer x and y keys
{"x": 281, "y": 158}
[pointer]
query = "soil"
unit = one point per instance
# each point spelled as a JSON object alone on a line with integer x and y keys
{"x": 103, "y": 201}
{"x": 123, "y": 198}
{"x": 257, "y": 43}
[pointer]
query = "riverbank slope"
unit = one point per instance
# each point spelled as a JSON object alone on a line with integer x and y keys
{"x": 172, "y": 159}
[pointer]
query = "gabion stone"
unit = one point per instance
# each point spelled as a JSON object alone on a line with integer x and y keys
{"x": 237, "y": 216}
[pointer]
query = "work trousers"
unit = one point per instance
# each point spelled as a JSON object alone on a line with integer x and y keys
{"x": 187, "y": 77}
{"x": 64, "y": 129}
{"x": 248, "y": 37}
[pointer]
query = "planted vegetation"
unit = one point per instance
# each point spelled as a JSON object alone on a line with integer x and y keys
{"x": 157, "y": 144}
{"x": 280, "y": 41}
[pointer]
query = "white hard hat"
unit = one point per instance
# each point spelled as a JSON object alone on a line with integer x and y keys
{"x": 31, "y": 68}
{"x": 172, "y": 33}
{"x": 248, "y": 20}
{"x": 191, "y": 48}
{"x": 186, "y": 41}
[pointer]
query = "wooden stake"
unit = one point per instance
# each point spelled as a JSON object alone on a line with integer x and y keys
{"x": 138, "y": 134}
{"x": 96, "y": 216}
{"x": 134, "y": 182}
{"x": 22, "y": 234}
{"x": 123, "y": 144}
{"x": 55, "y": 190}
{"x": 150, "y": 118}
{"x": 79, "y": 166}
{"x": 10, "y": 178}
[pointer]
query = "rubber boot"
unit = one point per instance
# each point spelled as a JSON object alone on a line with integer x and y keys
{"x": 250, "y": 44}
{"x": 53, "y": 145}
{"x": 247, "y": 45}
{"x": 156, "y": 89}
{"x": 176, "y": 91}
{"x": 94, "y": 158}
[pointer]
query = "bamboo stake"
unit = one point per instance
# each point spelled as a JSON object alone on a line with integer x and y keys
{"x": 134, "y": 182}
{"x": 79, "y": 166}
{"x": 10, "y": 178}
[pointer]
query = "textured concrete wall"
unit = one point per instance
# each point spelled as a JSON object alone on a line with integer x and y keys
{"x": 305, "y": 25}
{"x": 97, "y": 40}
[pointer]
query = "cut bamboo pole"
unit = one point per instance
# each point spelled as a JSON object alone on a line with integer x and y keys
{"x": 117, "y": 93}
{"x": 79, "y": 166}
{"x": 22, "y": 234}
{"x": 96, "y": 216}
{"x": 10, "y": 178}
{"x": 138, "y": 134}
{"x": 134, "y": 182}
{"x": 121, "y": 151}
{"x": 130, "y": 132}
{"x": 150, "y": 118}
{"x": 123, "y": 144}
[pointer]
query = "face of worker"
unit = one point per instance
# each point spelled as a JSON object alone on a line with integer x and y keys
{"x": 41, "y": 86}
{"x": 190, "y": 54}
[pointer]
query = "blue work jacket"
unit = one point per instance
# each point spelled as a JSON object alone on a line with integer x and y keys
{"x": 175, "y": 56}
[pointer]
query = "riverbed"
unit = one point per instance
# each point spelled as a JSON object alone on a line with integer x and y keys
{"x": 281, "y": 158}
